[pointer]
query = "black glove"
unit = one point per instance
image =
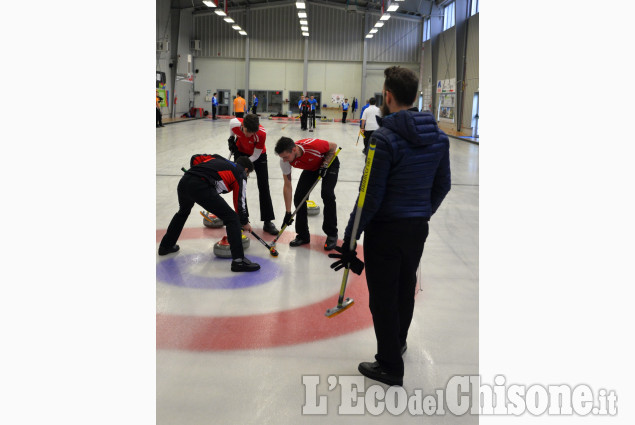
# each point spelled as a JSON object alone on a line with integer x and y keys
{"x": 231, "y": 144}
{"x": 287, "y": 219}
{"x": 323, "y": 171}
{"x": 347, "y": 259}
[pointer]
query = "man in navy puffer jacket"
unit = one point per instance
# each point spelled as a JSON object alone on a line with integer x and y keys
{"x": 409, "y": 178}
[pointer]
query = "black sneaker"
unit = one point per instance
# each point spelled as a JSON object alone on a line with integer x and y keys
{"x": 166, "y": 251}
{"x": 244, "y": 265}
{"x": 331, "y": 243}
{"x": 376, "y": 372}
{"x": 299, "y": 241}
{"x": 270, "y": 228}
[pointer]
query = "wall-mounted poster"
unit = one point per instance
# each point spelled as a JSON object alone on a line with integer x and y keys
{"x": 446, "y": 86}
{"x": 337, "y": 98}
{"x": 446, "y": 107}
{"x": 162, "y": 93}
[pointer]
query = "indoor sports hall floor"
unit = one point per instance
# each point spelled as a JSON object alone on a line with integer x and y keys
{"x": 234, "y": 348}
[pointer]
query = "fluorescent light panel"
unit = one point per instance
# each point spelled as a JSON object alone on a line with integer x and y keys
{"x": 242, "y": 33}
{"x": 373, "y": 31}
{"x": 306, "y": 34}
{"x": 304, "y": 22}
{"x": 302, "y": 15}
{"x": 236, "y": 27}
{"x": 300, "y": 5}
{"x": 369, "y": 36}
{"x": 228, "y": 20}
{"x": 384, "y": 17}
{"x": 209, "y": 3}
{"x": 379, "y": 24}
{"x": 220, "y": 12}
{"x": 304, "y": 28}
{"x": 392, "y": 7}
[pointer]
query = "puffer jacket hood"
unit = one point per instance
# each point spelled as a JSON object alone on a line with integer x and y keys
{"x": 415, "y": 127}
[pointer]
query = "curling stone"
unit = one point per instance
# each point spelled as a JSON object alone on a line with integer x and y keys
{"x": 312, "y": 208}
{"x": 215, "y": 221}
{"x": 245, "y": 241}
{"x": 222, "y": 250}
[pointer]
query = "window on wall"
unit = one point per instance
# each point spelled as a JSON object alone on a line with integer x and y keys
{"x": 449, "y": 16}
{"x": 474, "y": 7}
{"x": 426, "y": 29}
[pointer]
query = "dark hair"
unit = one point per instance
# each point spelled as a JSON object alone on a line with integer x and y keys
{"x": 251, "y": 122}
{"x": 246, "y": 163}
{"x": 372, "y": 101}
{"x": 214, "y": 93}
{"x": 285, "y": 144}
{"x": 402, "y": 83}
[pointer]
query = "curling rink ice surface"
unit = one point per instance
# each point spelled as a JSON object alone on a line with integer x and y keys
{"x": 235, "y": 348}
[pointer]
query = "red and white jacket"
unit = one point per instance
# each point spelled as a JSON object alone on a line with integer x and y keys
{"x": 225, "y": 176}
{"x": 254, "y": 145}
{"x": 313, "y": 152}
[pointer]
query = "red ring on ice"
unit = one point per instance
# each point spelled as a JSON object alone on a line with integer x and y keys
{"x": 288, "y": 327}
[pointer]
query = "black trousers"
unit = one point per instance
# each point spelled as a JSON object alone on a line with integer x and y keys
{"x": 312, "y": 118}
{"x": 254, "y": 109}
{"x": 191, "y": 190}
{"x": 344, "y": 113}
{"x": 239, "y": 114}
{"x": 214, "y": 107}
{"x": 392, "y": 251}
{"x": 307, "y": 178}
{"x": 159, "y": 119}
{"x": 262, "y": 177}
{"x": 367, "y": 135}
{"x": 303, "y": 118}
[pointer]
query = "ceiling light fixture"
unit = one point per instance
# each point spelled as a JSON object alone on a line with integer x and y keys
{"x": 302, "y": 15}
{"x": 306, "y": 34}
{"x": 369, "y": 36}
{"x": 228, "y": 20}
{"x": 392, "y": 8}
{"x": 237, "y": 27}
{"x": 379, "y": 24}
{"x": 373, "y": 31}
{"x": 300, "y": 5}
{"x": 304, "y": 22}
{"x": 209, "y": 3}
{"x": 384, "y": 17}
{"x": 220, "y": 12}
{"x": 242, "y": 33}
{"x": 304, "y": 28}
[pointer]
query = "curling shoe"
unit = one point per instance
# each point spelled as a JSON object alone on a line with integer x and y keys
{"x": 270, "y": 228}
{"x": 376, "y": 372}
{"x": 299, "y": 241}
{"x": 244, "y": 265}
{"x": 166, "y": 251}
{"x": 331, "y": 243}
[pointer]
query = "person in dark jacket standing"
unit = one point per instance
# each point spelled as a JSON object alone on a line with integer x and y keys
{"x": 207, "y": 178}
{"x": 409, "y": 178}
{"x": 304, "y": 112}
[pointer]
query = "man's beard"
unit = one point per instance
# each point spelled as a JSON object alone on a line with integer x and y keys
{"x": 384, "y": 110}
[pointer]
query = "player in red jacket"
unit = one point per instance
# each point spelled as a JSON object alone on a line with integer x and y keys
{"x": 312, "y": 156}
{"x": 247, "y": 138}
{"x": 207, "y": 178}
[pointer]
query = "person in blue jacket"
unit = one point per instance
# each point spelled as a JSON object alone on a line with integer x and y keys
{"x": 361, "y": 113}
{"x": 214, "y": 106}
{"x": 254, "y": 104}
{"x": 345, "y": 107}
{"x": 409, "y": 178}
